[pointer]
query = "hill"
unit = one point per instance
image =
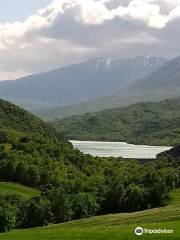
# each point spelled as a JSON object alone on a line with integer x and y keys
{"x": 14, "y": 119}
{"x": 8, "y": 188}
{"x": 143, "y": 123}
{"x": 77, "y": 83}
{"x": 26, "y": 146}
{"x": 163, "y": 83}
{"x": 115, "y": 227}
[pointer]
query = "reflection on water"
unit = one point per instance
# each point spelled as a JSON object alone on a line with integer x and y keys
{"x": 118, "y": 149}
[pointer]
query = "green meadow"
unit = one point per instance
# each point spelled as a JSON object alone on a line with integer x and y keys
{"x": 8, "y": 188}
{"x": 110, "y": 227}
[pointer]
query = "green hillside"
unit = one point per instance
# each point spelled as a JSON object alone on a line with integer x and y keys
{"x": 17, "y": 121}
{"x": 143, "y": 123}
{"x": 115, "y": 227}
{"x": 8, "y": 188}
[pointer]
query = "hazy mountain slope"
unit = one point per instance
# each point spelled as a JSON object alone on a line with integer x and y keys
{"x": 53, "y": 113}
{"x": 145, "y": 123}
{"x": 161, "y": 84}
{"x": 77, "y": 83}
{"x": 165, "y": 80}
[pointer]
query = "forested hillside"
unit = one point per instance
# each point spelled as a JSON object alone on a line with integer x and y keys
{"x": 72, "y": 185}
{"x": 144, "y": 123}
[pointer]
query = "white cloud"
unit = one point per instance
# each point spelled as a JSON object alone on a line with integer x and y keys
{"x": 175, "y": 13}
{"x": 67, "y": 31}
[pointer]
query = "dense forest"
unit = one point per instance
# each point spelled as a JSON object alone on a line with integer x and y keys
{"x": 143, "y": 123}
{"x": 72, "y": 185}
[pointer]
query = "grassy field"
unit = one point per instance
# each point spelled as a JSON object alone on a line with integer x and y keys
{"x": 7, "y": 188}
{"x": 110, "y": 227}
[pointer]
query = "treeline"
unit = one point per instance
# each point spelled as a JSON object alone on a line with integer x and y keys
{"x": 143, "y": 123}
{"x": 73, "y": 185}
{"x": 53, "y": 206}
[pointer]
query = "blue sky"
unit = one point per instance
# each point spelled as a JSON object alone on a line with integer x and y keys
{"x": 19, "y": 10}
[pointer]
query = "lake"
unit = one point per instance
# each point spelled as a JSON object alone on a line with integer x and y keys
{"x": 118, "y": 149}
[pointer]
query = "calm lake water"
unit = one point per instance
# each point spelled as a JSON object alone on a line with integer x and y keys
{"x": 118, "y": 149}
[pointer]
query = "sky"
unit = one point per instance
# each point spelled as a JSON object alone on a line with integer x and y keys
{"x": 19, "y": 10}
{"x": 37, "y": 36}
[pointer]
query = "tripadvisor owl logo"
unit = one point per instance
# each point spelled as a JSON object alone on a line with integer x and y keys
{"x": 139, "y": 231}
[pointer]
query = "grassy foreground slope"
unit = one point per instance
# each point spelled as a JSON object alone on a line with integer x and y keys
{"x": 93, "y": 233}
{"x": 9, "y": 188}
{"x": 113, "y": 227}
{"x": 143, "y": 123}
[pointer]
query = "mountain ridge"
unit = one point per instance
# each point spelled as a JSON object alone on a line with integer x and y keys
{"x": 163, "y": 83}
{"x": 77, "y": 83}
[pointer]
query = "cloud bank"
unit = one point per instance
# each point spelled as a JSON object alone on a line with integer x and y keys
{"x": 69, "y": 31}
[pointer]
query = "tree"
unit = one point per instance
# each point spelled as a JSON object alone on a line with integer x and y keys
{"x": 84, "y": 205}
{"x": 134, "y": 198}
{"x": 60, "y": 203}
{"x": 36, "y": 212}
{"x": 8, "y": 216}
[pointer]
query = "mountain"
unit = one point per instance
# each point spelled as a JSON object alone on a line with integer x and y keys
{"x": 143, "y": 123}
{"x": 77, "y": 83}
{"x": 163, "y": 83}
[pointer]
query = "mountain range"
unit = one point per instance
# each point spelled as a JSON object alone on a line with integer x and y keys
{"x": 162, "y": 83}
{"x": 78, "y": 83}
{"x": 95, "y": 85}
